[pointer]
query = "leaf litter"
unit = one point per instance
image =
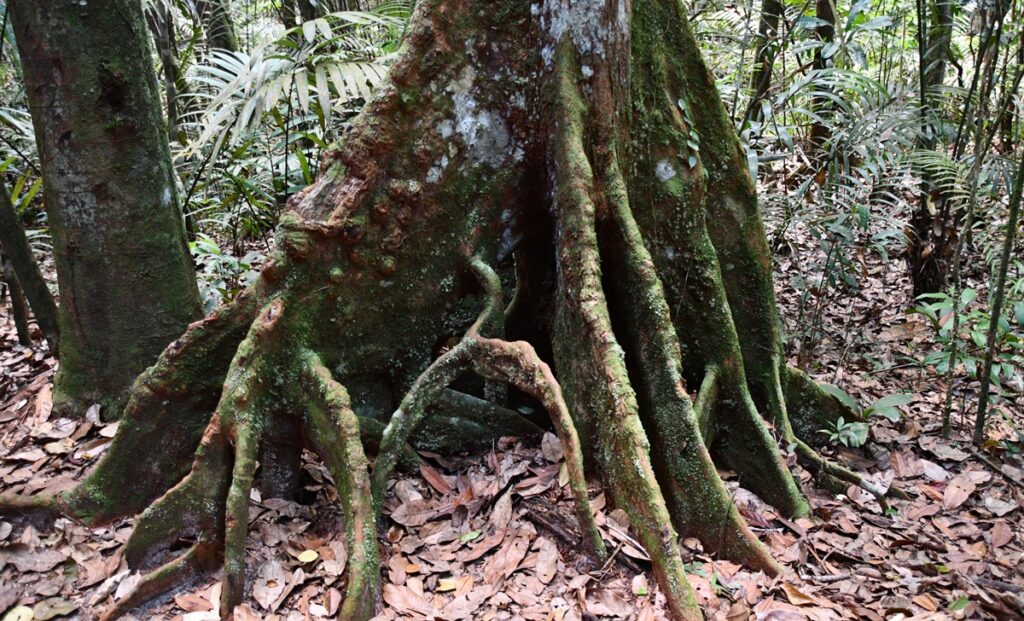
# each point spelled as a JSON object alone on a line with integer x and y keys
{"x": 494, "y": 536}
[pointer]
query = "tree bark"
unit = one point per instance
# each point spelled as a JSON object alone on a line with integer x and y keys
{"x": 826, "y": 32}
{"x": 161, "y": 23}
{"x": 933, "y": 238}
{"x": 581, "y": 150}
{"x": 764, "y": 60}
{"x": 218, "y": 24}
{"x": 15, "y": 248}
{"x": 19, "y": 308}
{"x": 127, "y": 286}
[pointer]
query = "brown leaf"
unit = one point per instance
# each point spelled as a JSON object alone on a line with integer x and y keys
{"x": 547, "y": 560}
{"x": 406, "y": 601}
{"x": 501, "y": 514}
{"x": 1002, "y": 534}
{"x": 798, "y": 597}
{"x": 957, "y": 492}
{"x": 606, "y": 603}
{"x": 244, "y": 612}
{"x": 25, "y": 559}
{"x": 551, "y": 447}
{"x": 926, "y": 601}
{"x": 53, "y": 607}
{"x": 414, "y": 513}
{"x": 506, "y": 560}
{"x": 192, "y": 602}
{"x": 485, "y": 545}
{"x": 435, "y": 479}
{"x": 270, "y": 583}
{"x": 998, "y": 507}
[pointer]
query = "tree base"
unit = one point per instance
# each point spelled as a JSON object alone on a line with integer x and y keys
{"x": 560, "y": 140}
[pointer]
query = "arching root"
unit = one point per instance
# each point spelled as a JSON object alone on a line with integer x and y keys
{"x": 499, "y": 361}
{"x": 199, "y": 560}
{"x": 590, "y": 362}
{"x": 210, "y": 506}
{"x": 333, "y": 431}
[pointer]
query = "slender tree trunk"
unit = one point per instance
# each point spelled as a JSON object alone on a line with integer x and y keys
{"x": 826, "y": 32}
{"x": 19, "y": 308}
{"x": 127, "y": 286}
{"x": 218, "y": 24}
{"x": 309, "y": 9}
{"x": 161, "y": 23}
{"x": 933, "y": 237}
{"x": 16, "y": 250}
{"x": 764, "y": 62}
{"x": 581, "y": 149}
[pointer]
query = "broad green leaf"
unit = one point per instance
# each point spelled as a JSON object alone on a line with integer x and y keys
{"x": 843, "y": 396}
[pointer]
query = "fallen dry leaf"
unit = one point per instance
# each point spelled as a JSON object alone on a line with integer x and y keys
{"x": 547, "y": 559}
{"x": 957, "y": 492}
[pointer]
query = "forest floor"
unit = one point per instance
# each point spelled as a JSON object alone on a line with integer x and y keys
{"x": 492, "y": 536}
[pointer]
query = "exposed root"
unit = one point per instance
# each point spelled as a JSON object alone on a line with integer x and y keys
{"x": 191, "y": 510}
{"x": 707, "y": 396}
{"x": 236, "y": 516}
{"x": 697, "y": 498}
{"x": 590, "y": 362}
{"x": 168, "y": 408}
{"x": 198, "y": 561}
{"x": 39, "y": 511}
{"x": 501, "y": 362}
{"x": 808, "y": 408}
{"x": 688, "y": 297}
{"x": 333, "y": 431}
{"x": 459, "y": 422}
{"x": 802, "y": 405}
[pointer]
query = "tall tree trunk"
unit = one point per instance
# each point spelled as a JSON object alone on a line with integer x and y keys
{"x": 826, "y": 31}
{"x": 218, "y": 24}
{"x": 127, "y": 286}
{"x": 764, "y": 62}
{"x": 586, "y": 142}
{"x": 161, "y": 23}
{"x": 16, "y": 250}
{"x": 933, "y": 237}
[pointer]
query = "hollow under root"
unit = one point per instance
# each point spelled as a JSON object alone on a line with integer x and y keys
{"x": 501, "y": 362}
{"x": 210, "y": 505}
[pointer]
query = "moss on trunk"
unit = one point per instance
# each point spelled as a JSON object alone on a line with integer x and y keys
{"x": 572, "y": 154}
{"x": 127, "y": 287}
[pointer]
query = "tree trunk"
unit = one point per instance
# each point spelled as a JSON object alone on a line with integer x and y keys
{"x": 17, "y": 251}
{"x": 127, "y": 287}
{"x": 161, "y": 23}
{"x": 767, "y": 47}
{"x": 826, "y": 32}
{"x": 19, "y": 308}
{"x": 218, "y": 24}
{"x": 933, "y": 236}
{"x": 309, "y": 9}
{"x": 581, "y": 150}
